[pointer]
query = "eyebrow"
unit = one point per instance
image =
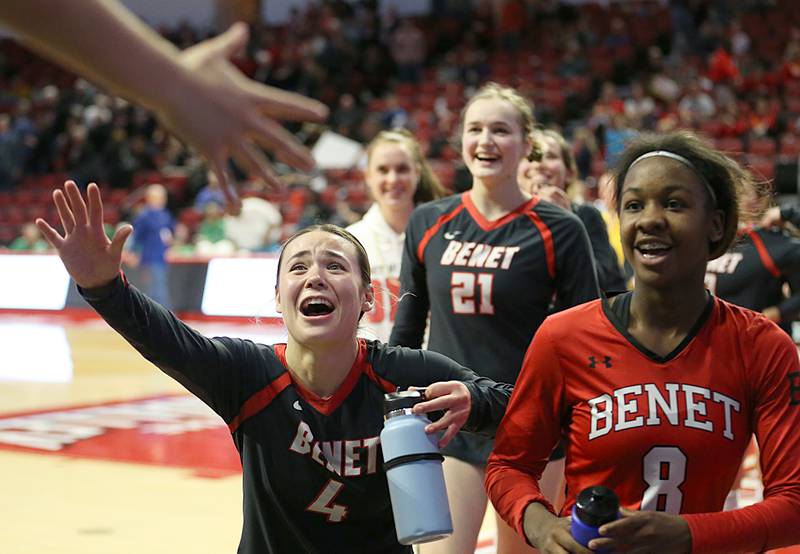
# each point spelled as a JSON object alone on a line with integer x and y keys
{"x": 330, "y": 253}
{"x": 668, "y": 188}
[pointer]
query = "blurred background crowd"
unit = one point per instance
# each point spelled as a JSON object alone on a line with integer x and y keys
{"x": 600, "y": 74}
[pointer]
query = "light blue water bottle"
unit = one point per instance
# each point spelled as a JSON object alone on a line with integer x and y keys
{"x": 413, "y": 467}
{"x": 594, "y": 507}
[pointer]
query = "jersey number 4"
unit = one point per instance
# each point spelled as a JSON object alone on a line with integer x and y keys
{"x": 664, "y": 472}
{"x": 472, "y": 293}
{"x": 324, "y": 502}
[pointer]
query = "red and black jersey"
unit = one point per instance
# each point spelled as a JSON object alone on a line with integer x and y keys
{"x": 488, "y": 285}
{"x": 666, "y": 433}
{"x": 753, "y": 273}
{"x": 312, "y": 467}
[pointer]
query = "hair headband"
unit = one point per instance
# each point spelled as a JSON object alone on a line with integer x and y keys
{"x": 684, "y": 161}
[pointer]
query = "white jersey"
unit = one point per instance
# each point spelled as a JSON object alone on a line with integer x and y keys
{"x": 385, "y": 250}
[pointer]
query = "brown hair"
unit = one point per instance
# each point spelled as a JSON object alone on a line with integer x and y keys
{"x": 429, "y": 187}
{"x": 564, "y": 149}
{"x": 726, "y": 178}
{"x": 361, "y": 253}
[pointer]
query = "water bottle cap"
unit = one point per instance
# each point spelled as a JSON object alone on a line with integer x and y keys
{"x": 596, "y": 506}
{"x": 401, "y": 400}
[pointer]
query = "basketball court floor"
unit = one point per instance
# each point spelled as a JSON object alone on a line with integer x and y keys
{"x": 101, "y": 453}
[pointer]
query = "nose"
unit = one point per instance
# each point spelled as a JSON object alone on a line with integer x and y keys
{"x": 485, "y": 136}
{"x": 315, "y": 278}
{"x": 651, "y": 217}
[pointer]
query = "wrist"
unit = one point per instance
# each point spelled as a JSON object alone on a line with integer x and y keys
{"x": 536, "y": 520}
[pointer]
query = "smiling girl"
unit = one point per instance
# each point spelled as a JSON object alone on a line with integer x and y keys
{"x": 488, "y": 264}
{"x": 659, "y": 390}
{"x": 305, "y": 416}
{"x": 398, "y": 177}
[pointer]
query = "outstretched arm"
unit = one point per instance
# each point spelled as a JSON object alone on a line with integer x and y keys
{"x": 197, "y": 93}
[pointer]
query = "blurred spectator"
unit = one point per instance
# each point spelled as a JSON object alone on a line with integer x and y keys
{"x": 408, "y": 49}
{"x": 152, "y": 235}
{"x": 30, "y": 240}
{"x": 763, "y": 118}
{"x": 211, "y": 237}
{"x": 209, "y": 194}
{"x": 511, "y": 24}
{"x": 256, "y": 228}
{"x": 696, "y": 106}
{"x": 640, "y": 107}
{"x": 10, "y": 147}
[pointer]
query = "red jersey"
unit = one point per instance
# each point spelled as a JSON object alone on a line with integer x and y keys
{"x": 665, "y": 432}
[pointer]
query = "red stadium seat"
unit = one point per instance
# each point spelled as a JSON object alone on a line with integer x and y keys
{"x": 762, "y": 146}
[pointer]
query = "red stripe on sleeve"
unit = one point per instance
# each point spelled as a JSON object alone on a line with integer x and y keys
{"x": 766, "y": 259}
{"x": 549, "y": 246}
{"x": 260, "y": 400}
{"x": 432, "y": 231}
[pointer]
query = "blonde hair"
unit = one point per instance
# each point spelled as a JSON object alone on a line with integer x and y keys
{"x": 493, "y": 90}
{"x": 429, "y": 187}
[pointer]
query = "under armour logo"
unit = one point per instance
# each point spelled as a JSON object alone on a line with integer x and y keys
{"x": 606, "y": 361}
{"x": 451, "y": 236}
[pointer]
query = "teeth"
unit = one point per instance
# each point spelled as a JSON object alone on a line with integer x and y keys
{"x": 315, "y": 301}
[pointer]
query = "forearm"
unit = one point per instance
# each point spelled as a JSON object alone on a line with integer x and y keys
{"x": 512, "y": 490}
{"x": 99, "y": 39}
{"x": 763, "y": 526}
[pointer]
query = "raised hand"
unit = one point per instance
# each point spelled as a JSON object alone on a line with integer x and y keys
{"x": 90, "y": 258}
{"x": 454, "y": 399}
{"x": 224, "y": 114}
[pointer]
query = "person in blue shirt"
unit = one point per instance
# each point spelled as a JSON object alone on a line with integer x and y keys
{"x": 154, "y": 227}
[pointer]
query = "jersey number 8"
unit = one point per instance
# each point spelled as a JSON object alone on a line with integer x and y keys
{"x": 664, "y": 472}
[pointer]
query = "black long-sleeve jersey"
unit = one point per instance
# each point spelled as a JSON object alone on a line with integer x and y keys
{"x": 753, "y": 273}
{"x": 609, "y": 273}
{"x": 312, "y": 466}
{"x": 488, "y": 286}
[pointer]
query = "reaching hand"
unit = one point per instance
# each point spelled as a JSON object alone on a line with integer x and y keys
{"x": 220, "y": 112}
{"x": 88, "y": 255}
{"x": 646, "y": 531}
{"x": 454, "y": 398}
{"x": 549, "y": 533}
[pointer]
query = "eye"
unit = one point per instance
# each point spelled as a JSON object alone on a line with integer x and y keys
{"x": 297, "y": 267}
{"x": 675, "y": 204}
{"x": 632, "y": 206}
{"x": 335, "y": 266}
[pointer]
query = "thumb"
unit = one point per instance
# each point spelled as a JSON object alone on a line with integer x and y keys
{"x": 232, "y": 41}
{"x": 120, "y": 236}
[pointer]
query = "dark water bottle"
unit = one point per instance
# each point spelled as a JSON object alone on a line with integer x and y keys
{"x": 414, "y": 472}
{"x": 594, "y": 507}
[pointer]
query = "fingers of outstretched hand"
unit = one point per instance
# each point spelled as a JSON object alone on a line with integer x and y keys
{"x": 256, "y": 164}
{"x": 51, "y": 235}
{"x": 64, "y": 211}
{"x": 76, "y": 204}
{"x": 273, "y": 137}
{"x": 228, "y": 191}
{"x": 287, "y": 106}
{"x": 95, "y": 205}
{"x": 118, "y": 241}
